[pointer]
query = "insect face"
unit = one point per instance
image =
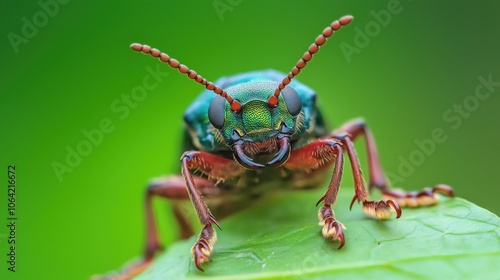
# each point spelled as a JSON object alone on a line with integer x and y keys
{"x": 258, "y": 128}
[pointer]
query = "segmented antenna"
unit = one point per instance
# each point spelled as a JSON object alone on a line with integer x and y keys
{"x": 314, "y": 48}
{"x": 183, "y": 69}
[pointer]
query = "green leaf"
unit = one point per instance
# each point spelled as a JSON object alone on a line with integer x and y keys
{"x": 279, "y": 238}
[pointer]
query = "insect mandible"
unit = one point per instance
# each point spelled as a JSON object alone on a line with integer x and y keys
{"x": 261, "y": 126}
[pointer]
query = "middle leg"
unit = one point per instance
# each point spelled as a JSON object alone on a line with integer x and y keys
{"x": 382, "y": 209}
{"x": 428, "y": 196}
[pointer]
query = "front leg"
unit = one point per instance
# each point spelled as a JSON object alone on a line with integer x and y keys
{"x": 180, "y": 188}
{"x": 315, "y": 156}
{"x": 214, "y": 167}
{"x": 172, "y": 188}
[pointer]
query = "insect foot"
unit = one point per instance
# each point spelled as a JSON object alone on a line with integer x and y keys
{"x": 331, "y": 228}
{"x": 427, "y": 196}
{"x": 382, "y": 209}
{"x": 203, "y": 248}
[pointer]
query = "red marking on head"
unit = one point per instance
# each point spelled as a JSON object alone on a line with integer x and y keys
{"x": 236, "y": 106}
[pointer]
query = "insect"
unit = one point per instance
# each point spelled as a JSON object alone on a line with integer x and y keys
{"x": 258, "y": 127}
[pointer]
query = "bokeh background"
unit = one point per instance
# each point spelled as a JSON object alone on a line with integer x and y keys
{"x": 68, "y": 72}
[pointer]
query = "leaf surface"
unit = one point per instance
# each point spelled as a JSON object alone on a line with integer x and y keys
{"x": 279, "y": 238}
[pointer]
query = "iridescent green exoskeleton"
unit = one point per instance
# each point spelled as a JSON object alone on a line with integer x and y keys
{"x": 250, "y": 129}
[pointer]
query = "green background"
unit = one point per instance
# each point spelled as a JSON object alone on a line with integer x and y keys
{"x": 65, "y": 78}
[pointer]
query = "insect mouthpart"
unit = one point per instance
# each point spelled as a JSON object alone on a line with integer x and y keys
{"x": 240, "y": 148}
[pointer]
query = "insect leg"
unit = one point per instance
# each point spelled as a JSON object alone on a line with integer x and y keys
{"x": 316, "y": 155}
{"x": 427, "y": 196}
{"x": 172, "y": 188}
{"x": 214, "y": 167}
{"x": 380, "y": 209}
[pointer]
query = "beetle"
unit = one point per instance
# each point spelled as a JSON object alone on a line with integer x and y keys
{"x": 258, "y": 127}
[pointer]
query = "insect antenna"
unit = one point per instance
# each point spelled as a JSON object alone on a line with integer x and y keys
{"x": 183, "y": 69}
{"x": 314, "y": 48}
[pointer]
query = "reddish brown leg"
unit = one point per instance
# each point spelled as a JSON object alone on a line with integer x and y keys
{"x": 317, "y": 155}
{"x": 172, "y": 188}
{"x": 182, "y": 187}
{"x": 428, "y": 196}
{"x": 380, "y": 209}
{"x": 214, "y": 167}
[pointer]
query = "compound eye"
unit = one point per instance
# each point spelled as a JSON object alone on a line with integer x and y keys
{"x": 216, "y": 111}
{"x": 292, "y": 100}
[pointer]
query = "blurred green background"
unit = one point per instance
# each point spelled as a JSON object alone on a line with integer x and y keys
{"x": 68, "y": 72}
